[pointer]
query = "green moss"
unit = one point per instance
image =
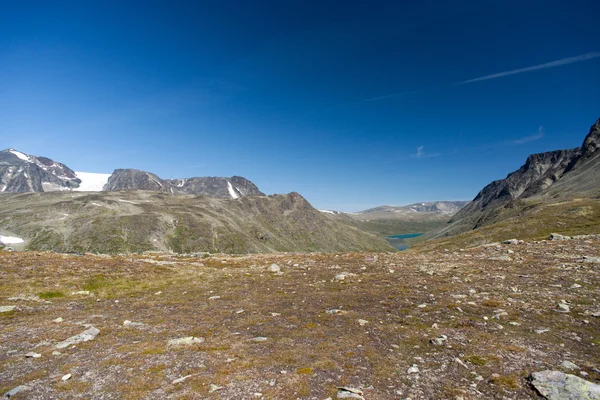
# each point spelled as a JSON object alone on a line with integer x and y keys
{"x": 51, "y": 295}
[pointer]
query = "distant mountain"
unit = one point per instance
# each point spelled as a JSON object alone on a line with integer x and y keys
{"x": 554, "y": 176}
{"x": 444, "y": 208}
{"x": 394, "y": 220}
{"x": 137, "y": 221}
{"x": 227, "y": 188}
{"x": 20, "y": 173}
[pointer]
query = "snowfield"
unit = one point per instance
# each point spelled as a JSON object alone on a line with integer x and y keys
{"x": 11, "y": 240}
{"x": 91, "y": 181}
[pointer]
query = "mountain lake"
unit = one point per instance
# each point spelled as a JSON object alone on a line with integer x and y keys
{"x": 398, "y": 240}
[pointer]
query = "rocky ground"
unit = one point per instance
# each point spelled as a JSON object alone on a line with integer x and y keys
{"x": 471, "y": 324}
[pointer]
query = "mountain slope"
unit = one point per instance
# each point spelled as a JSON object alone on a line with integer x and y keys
{"x": 20, "y": 172}
{"x": 226, "y": 188}
{"x": 545, "y": 178}
{"x": 134, "y": 221}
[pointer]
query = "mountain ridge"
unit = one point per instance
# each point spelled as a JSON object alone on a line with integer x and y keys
{"x": 22, "y": 173}
{"x": 548, "y": 177}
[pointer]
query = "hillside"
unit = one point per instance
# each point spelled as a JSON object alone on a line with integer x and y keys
{"x": 553, "y": 191}
{"x": 137, "y": 221}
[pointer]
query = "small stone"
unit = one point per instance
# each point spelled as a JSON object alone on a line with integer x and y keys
{"x": 56, "y": 353}
{"x": 7, "y": 308}
{"x": 413, "y": 369}
{"x": 81, "y": 292}
{"x": 542, "y": 330}
{"x": 575, "y": 286}
{"x": 274, "y": 268}
{"x": 422, "y": 305}
{"x": 583, "y": 373}
{"x": 513, "y": 323}
{"x": 569, "y": 365}
{"x": 126, "y": 322}
{"x": 58, "y": 320}
{"x": 32, "y": 354}
{"x": 66, "y": 377}
{"x": 213, "y": 388}
{"x": 179, "y": 380}
{"x": 511, "y": 241}
{"x": 158, "y": 293}
{"x": 434, "y": 326}
{"x": 362, "y": 322}
{"x": 214, "y": 297}
{"x": 335, "y": 311}
{"x": 339, "y": 277}
{"x": 563, "y": 307}
{"x": 349, "y": 393}
{"x": 275, "y": 314}
{"x": 258, "y": 339}
{"x": 185, "y": 341}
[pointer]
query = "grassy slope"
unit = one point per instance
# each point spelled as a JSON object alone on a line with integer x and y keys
{"x": 138, "y": 221}
{"x": 527, "y": 219}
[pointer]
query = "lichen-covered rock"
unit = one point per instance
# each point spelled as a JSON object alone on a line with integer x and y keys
{"x": 556, "y": 385}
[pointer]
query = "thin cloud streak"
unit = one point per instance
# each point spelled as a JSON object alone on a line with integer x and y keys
{"x": 389, "y": 96}
{"x": 551, "y": 64}
{"x": 531, "y": 138}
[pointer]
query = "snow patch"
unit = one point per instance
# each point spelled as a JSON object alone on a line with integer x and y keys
{"x": 22, "y": 156}
{"x": 232, "y": 192}
{"x": 11, "y": 240}
{"x": 327, "y": 211}
{"x": 91, "y": 181}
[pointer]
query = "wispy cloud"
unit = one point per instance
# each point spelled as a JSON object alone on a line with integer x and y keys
{"x": 527, "y": 139}
{"x": 422, "y": 154}
{"x": 389, "y": 96}
{"x": 551, "y": 64}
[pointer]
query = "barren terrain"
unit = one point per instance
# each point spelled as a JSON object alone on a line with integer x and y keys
{"x": 471, "y": 324}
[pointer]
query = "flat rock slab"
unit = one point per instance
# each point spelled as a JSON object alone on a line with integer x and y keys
{"x": 88, "y": 334}
{"x": 185, "y": 341}
{"x": 15, "y": 391}
{"x": 556, "y": 385}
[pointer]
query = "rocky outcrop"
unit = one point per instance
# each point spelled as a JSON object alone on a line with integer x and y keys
{"x": 133, "y": 179}
{"x": 20, "y": 172}
{"x": 226, "y": 188}
{"x": 552, "y": 176}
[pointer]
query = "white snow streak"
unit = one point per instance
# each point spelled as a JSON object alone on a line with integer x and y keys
{"x": 327, "y": 211}
{"x": 22, "y": 156}
{"x": 91, "y": 182}
{"x": 11, "y": 240}
{"x": 232, "y": 192}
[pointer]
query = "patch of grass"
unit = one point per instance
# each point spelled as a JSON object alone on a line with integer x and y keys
{"x": 51, "y": 295}
{"x": 305, "y": 371}
{"x": 507, "y": 381}
{"x": 476, "y": 360}
{"x": 491, "y": 303}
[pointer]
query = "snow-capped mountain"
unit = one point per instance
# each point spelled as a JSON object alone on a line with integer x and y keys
{"x": 21, "y": 172}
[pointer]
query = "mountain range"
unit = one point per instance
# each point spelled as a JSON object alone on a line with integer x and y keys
{"x": 22, "y": 173}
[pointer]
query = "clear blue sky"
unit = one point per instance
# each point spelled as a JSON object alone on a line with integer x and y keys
{"x": 351, "y": 104}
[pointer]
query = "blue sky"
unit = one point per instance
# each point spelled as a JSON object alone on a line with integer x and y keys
{"x": 351, "y": 104}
